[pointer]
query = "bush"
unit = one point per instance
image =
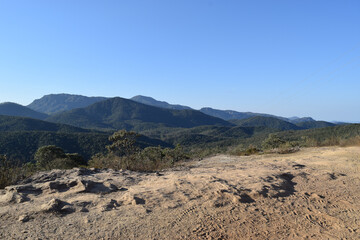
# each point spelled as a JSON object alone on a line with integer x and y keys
{"x": 52, "y": 157}
{"x": 124, "y": 154}
{"x": 273, "y": 142}
{"x": 11, "y": 173}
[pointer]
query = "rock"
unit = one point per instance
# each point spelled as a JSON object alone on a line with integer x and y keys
{"x": 54, "y": 205}
{"x": 12, "y": 197}
{"x": 112, "y": 204}
{"x": 68, "y": 209}
{"x": 130, "y": 199}
{"x": 24, "y": 218}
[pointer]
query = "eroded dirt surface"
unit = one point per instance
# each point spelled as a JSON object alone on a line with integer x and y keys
{"x": 312, "y": 194}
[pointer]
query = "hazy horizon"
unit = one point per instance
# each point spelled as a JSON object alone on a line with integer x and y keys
{"x": 285, "y": 58}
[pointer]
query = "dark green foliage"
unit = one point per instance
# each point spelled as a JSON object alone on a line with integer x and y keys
{"x": 268, "y": 122}
{"x": 14, "y": 109}
{"x": 314, "y": 124}
{"x": 124, "y": 153}
{"x": 55, "y": 103}
{"x": 230, "y": 114}
{"x": 272, "y": 142}
{"x": 206, "y": 136}
{"x": 11, "y": 172}
{"x": 11, "y": 123}
{"x": 53, "y": 157}
{"x": 123, "y": 143}
{"x": 152, "y": 102}
{"x": 322, "y": 136}
{"x": 22, "y": 145}
{"x": 120, "y": 113}
{"x": 46, "y": 154}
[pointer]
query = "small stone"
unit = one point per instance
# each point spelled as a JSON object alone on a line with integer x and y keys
{"x": 23, "y": 218}
{"x": 52, "y": 206}
{"x": 83, "y": 209}
{"x": 68, "y": 209}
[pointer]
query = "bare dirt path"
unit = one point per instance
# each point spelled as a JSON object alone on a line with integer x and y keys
{"x": 311, "y": 194}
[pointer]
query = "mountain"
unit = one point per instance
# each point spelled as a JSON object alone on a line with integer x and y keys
{"x": 314, "y": 124}
{"x": 55, "y": 103}
{"x": 269, "y": 122}
{"x": 11, "y": 124}
{"x": 300, "y": 120}
{"x": 153, "y": 102}
{"x": 14, "y": 109}
{"x": 230, "y": 114}
{"x": 120, "y": 113}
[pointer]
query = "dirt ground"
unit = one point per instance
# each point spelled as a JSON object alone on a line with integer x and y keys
{"x": 311, "y": 194}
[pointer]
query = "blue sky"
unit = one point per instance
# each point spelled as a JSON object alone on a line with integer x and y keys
{"x": 289, "y": 58}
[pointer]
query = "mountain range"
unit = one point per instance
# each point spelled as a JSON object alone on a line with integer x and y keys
{"x": 55, "y": 103}
{"x": 121, "y": 113}
{"x": 140, "y": 113}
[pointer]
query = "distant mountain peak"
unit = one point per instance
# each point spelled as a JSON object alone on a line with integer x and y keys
{"x": 121, "y": 113}
{"x": 54, "y": 103}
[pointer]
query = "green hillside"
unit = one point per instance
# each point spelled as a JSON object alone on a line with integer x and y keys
{"x": 314, "y": 124}
{"x": 120, "y": 113}
{"x": 14, "y": 109}
{"x": 153, "y": 102}
{"x": 10, "y": 123}
{"x": 230, "y": 114}
{"x": 268, "y": 122}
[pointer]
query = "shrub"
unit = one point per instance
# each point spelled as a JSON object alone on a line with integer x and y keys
{"x": 124, "y": 154}
{"x": 10, "y": 173}
{"x": 273, "y": 142}
{"x": 52, "y": 157}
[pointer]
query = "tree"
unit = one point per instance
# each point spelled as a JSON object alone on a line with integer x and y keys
{"x": 272, "y": 142}
{"x": 53, "y": 157}
{"x": 123, "y": 143}
{"x": 46, "y": 154}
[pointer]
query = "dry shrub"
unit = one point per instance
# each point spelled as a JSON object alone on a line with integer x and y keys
{"x": 354, "y": 141}
{"x": 11, "y": 172}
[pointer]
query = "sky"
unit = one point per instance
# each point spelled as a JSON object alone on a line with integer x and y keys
{"x": 288, "y": 58}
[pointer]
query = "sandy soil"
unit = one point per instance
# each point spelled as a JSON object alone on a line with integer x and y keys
{"x": 311, "y": 194}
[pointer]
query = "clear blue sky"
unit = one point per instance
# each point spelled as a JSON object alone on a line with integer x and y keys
{"x": 282, "y": 57}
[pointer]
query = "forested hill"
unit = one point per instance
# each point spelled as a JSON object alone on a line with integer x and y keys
{"x": 269, "y": 122}
{"x": 12, "y": 124}
{"x": 153, "y": 102}
{"x": 120, "y": 113}
{"x": 14, "y": 109}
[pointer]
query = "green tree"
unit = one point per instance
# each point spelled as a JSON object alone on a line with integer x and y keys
{"x": 46, "y": 154}
{"x": 53, "y": 157}
{"x": 123, "y": 143}
{"x": 272, "y": 142}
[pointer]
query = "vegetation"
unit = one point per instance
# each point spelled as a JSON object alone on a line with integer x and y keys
{"x": 40, "y": 145}
{"x": 152, "y": 102}
{"x": 119, "y": 113}
{"x": 124, "y": 153}
{"x": 14, "y": 109}
{"x": 11, "y": 124}
{"x": 53, "y": 157}
{"x": 270, "y": 122}
{"x": 10, "y": 172}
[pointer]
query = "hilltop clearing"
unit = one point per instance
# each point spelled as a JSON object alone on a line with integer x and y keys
{"x": 311, "y": 194}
